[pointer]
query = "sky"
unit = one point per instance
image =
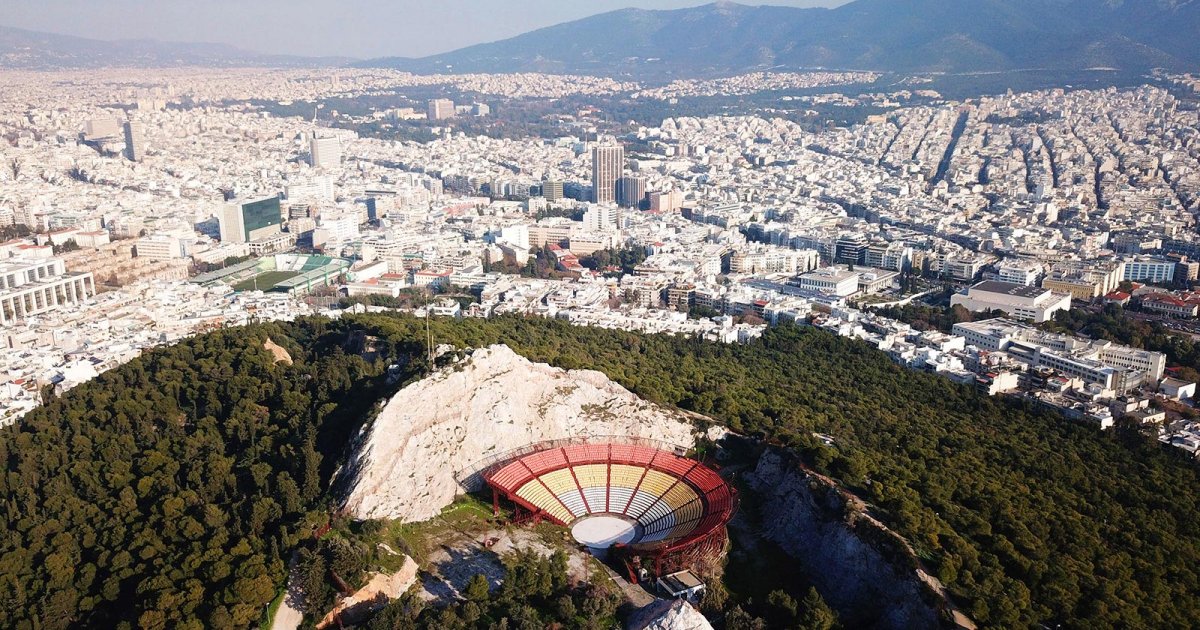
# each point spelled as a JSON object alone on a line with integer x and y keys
{"x": 351, "y": 28}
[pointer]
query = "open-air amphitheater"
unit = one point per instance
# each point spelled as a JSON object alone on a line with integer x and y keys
{"x": 641, "y": 501}
{"x": 576, "y": 449}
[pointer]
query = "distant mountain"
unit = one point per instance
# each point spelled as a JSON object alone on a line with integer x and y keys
{"x": 22, "y": 49}
{"x": 900, "y": 35}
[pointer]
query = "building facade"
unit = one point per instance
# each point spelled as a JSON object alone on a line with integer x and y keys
{"x": 607, "y": 165}
{"x": 32, "y": 287}
{"x": 248, "y": 221}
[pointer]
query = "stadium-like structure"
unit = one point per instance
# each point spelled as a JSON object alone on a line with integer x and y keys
{"x": 648, "y": 505}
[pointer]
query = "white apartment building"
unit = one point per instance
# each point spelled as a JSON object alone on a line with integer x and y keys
{"x": 1018, "y": 300}
{"x": 338, "y": 228}
{"x": 1020, "y": 272}
{"x": 895, "y": 256}
{"x": 32, "y": 287}
{"x": 600, "y": 218}
{"x": 1150, "y": 270}
{"x": 161, "y": 247}
{"x": 312, "y": 189}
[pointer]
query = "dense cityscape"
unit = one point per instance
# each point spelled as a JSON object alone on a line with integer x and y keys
{"x": 349, "y": 344}
{"x": 132, "y": 184}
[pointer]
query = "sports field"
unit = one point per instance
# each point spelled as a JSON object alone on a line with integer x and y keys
{"x": 265, "y": 280}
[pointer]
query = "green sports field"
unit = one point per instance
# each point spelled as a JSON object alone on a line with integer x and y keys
{"x": 265, "y": 280}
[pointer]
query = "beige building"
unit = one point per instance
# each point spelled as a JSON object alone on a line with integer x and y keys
{"x": 1085, "y": 282}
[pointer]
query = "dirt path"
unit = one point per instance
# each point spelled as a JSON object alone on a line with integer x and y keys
{"x": 289, "y": 616}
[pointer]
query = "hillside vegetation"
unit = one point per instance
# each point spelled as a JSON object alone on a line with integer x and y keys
{"x": 168, "y": 492}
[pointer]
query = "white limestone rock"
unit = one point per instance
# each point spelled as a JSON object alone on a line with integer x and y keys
{"x": 669, "y": 615}
{"x": 492, "y": 402}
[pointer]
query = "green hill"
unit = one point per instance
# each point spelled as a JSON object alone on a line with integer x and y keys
{"x": 168, "y": 492}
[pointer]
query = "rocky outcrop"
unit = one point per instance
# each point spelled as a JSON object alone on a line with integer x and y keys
{"x": 482, "y": 406}
{"x": 861, "y": 569}
{"x": 673, "y": 614}
{"x": 378, "y": 591}
{"x": 279, "y": 352}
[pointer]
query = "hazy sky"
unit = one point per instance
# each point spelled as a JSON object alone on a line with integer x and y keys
{"x": 356, "y": 28}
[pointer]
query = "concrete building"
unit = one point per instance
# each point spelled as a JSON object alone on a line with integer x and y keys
{"x": 324, "y": 151}
{"x": 161, "y": 247}
{"x": 440, "y": 109}
{"x": 631, "y": 191}
{"x": 249, "y": 221}
{"x": 670, "y": 201}
{"x": 1019, "y": 272}
{"x": 1177, "y": 389}
{"x": 1018, "y": 300}
{"x": 895, "y": 256}
{"x": 552, "y": 190}
{"x": 135, "y": 140}
{"x": 312, "y": 189}
{"x": 1085, "y": 282}
{"x": 1150, "y": 270}
{"x": 963, "y": 269}
{"x": 101, "y": 128}
{"x": 608, "y": 162}
{"x": 1112, "y": 366}
{"x": 273, "y": 243}
{"x": 600, "y": 218}
{"x": 830, "y": 280}
{"x": 556, "y": 233}
{"x": 32, "y": 287}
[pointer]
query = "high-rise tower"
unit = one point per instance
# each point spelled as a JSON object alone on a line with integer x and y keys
{"x": 135, "y": 143}
{"x": 607, "y": 164}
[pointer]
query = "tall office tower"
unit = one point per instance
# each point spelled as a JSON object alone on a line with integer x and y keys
{"x": 631, "y": 191}
{"x": 324, "y": 152}
{"x": 552, "y": 190}
{"x": 607, "y": 163}
{"x": 135, "y": 140}
{"x": 440, "y": 109}
{"x": 248, "y": 221}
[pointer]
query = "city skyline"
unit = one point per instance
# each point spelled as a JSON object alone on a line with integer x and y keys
{"x": 364, "y": 28}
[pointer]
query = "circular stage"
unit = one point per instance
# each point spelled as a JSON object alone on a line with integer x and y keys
{"x": 601, "y": 531}
{"x": 639, "y": 501}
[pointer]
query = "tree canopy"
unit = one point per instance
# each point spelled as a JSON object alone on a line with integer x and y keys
{"x": 170, "y": 491}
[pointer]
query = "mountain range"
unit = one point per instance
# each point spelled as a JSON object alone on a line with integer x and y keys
{"x": 33, "y": 50}
{"x": 889, "y": 35}
{"x": 954, "y": 36}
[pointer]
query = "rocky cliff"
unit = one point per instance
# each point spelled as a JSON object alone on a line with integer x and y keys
{"x": 668, "y": 614}
{"x": 486, "y": 404}
{"x": 872, "y": 584}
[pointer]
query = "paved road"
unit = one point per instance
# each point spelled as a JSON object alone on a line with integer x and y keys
{"x": 288, "y": 617}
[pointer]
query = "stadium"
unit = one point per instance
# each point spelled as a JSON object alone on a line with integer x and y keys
{"x": 645, "y": 507}
{"x": 294, "y": 274}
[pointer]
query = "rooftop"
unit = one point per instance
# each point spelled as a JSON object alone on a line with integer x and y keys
{"x": 1008, "y": 288}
